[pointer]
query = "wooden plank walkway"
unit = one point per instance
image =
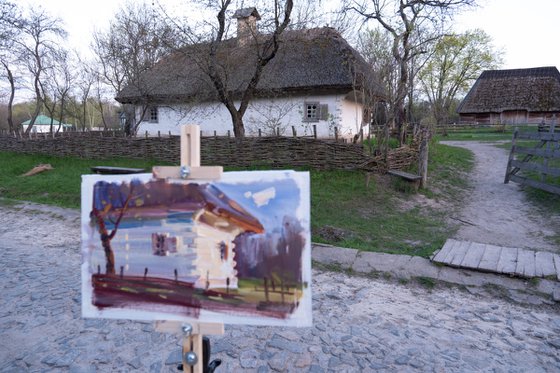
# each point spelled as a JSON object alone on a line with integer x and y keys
{"x": 491, "y": 258}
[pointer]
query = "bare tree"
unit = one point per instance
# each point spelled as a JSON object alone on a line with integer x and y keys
{"x": 412, "y": 24}
{"x": 10, "y": 27}
{"x": 209, "y": 50}
{"x": 135, "y": 41}
{"x": 40, "y": 33}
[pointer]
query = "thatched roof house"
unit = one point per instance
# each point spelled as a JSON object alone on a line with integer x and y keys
{"x": 307, "y": 60}
{"x": 516, "y": 96}
{"x": 309, "y": 66}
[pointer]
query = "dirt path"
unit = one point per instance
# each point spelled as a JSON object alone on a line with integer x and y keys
{"x": 498, "y": 213}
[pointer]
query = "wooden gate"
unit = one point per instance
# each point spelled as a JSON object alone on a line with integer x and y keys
{"x": 539, "y": 163}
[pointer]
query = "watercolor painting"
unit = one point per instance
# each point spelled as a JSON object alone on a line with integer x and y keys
{"x": 234, "y": 250}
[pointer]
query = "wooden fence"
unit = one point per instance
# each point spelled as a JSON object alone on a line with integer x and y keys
{"x": 540, "y": 164}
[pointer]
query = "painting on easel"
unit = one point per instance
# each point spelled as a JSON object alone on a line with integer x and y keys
{"x": 235, "y": 250}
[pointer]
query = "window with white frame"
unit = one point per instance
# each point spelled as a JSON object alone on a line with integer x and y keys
{"x": 153, "y": 114}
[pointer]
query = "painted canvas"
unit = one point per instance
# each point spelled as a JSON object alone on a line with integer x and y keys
{"x": 235, "y": 250}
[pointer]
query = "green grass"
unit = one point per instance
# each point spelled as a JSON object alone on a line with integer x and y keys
{"x": 343, "y": 211}
{"x": 60, "y": 186}
{"x": 495, "y": 133}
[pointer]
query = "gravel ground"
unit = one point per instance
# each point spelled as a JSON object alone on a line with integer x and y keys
{"x": 360, "y": 324}
{"x": 498, "y": 213}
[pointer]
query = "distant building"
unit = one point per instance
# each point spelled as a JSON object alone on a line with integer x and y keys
{"x": 43, "y": 125}
{"x": 517, "y": 96}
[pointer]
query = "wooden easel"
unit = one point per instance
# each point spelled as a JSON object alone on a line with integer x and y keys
{"x": 190, "y": 169}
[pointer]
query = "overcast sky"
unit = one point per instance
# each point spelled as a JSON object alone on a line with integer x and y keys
{"x": 527, "y": 31}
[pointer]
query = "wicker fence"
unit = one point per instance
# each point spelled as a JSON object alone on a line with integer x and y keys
{"x": 274, "y": 152}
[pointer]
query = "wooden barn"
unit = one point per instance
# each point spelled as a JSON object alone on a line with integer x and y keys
{"x": 516, "y": 96}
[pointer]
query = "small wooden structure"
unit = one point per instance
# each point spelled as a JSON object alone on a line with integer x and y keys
{"x": 516, "y": 96}
{"x": 491, "y": 258}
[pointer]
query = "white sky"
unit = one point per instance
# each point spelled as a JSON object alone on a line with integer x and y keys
{"x": 527, "y": 31}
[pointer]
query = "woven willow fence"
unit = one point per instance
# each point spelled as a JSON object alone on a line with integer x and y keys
{"x": 271, "y": 152}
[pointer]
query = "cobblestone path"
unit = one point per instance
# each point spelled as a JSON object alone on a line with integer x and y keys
{"x": 360, "y": 324}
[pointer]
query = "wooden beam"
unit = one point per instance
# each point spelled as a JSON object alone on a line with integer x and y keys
{"x": 174, "y": 172}
{"x": 545, "y": 136}
{"x": 551, "y": 153}
{"x": 541, "y": 168}
{"x": 535, "y": 184}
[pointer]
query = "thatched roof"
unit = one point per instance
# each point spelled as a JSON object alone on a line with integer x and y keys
{"x": 314, "y": 61}
{"x": 495, "y": 91}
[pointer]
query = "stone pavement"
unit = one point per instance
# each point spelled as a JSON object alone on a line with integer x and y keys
{"x": 384, "y": 321}
{"x": 406, "y": 267}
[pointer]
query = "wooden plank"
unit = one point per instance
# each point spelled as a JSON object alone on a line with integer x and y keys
{"x": 174, "y": 172}
{"x": 489, "y": 260}
{"x": 404, "y": 175}
{"x": 458, "y": 253}
{"x": 544, "y": 264}
{"x": 535, "y": 184}
{"x": 537, "y": 152}
{"x": 190, "y": 145}
{"x": 109, "y": 170}
{"x": 539, "y": 136}
{"x": 508, "y": 260}
{"x": 474, "y": 255}
{"x": 176, "y": 327}
{"x": 557, "y": 265}
{"x": 444, "y": 252}
{"x": 525, "y": 263}
{"x": 542, "y": 168}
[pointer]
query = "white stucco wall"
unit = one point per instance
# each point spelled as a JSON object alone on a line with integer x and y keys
{"x": 266, "y": 114}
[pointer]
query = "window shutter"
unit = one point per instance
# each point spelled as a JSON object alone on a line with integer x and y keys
{"x": 324, "y": 112}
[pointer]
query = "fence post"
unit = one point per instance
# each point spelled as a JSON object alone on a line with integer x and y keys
{"x": 315, "y": 131}
{"x": 260, "y": 134}
{"x": 294, "y": 133}
{"x": 511, "y": 153}
{"x": 278, "y": 131}
{"x": 423, "y": 158}
{"x": 228, "y": 133}
{"x": 545, "y": 159}
{"x": 336, "y": 134}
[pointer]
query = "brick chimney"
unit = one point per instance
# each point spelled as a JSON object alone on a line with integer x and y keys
{"x": 246, "y": 23}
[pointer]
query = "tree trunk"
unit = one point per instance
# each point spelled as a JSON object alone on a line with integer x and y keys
{"x": 105, "y": 243}
{"x": 238, "y": 126}
{"x": 11, "y": 100}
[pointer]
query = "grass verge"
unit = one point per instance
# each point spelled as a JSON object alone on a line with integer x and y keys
{"x": 343, "y": 211}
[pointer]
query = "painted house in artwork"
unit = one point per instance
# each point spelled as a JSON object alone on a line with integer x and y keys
{"x": 316, "y": 78}
{"x": 517, "y": 96}
{"x": 180, "y": 221}
{"x": 216, "y": 226}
